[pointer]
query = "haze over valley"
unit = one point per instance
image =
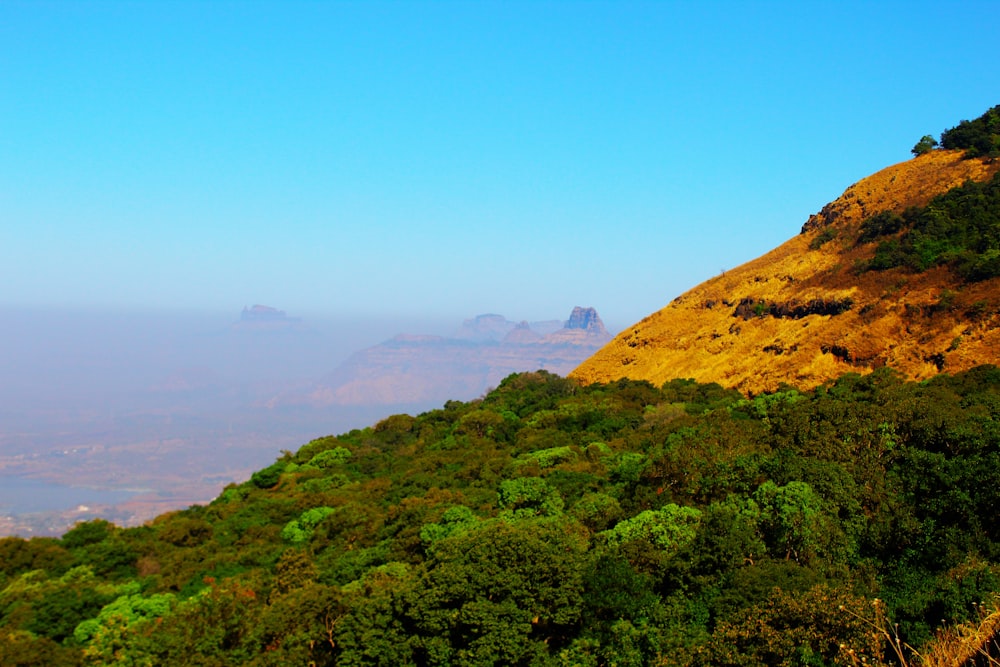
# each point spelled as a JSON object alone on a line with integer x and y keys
{"x": 125, "y": 415}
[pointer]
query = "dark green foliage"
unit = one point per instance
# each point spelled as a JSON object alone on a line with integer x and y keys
{"x": 39, "y": 553}
{"x": 23, "y": 649}
{"x": 881, "y": 224}
{"x": 926, "y": 144}
{"x": 979, "y": 137}
{"x": 86, "y": 533}
{"x": 269, "y": 476}
{"x": 551, "y": 523}
{"x": 960, "y": 229}
{"x": 823, "y": 238}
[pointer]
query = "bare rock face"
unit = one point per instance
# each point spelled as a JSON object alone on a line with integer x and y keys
{"x": 586, "y": 319}
{"x": 584, "y": 327}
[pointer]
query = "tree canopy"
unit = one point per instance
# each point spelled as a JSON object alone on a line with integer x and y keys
{"x": 556, "y": 524}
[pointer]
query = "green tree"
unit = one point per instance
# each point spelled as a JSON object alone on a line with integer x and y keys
{"x": 668, "y": 529}
{"x": 926, "y": 144}
{"x": 500, "y": 593}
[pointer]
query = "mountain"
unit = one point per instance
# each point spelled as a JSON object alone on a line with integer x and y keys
{"x": 421, "y": 371}
{"x": 874, "y": 279}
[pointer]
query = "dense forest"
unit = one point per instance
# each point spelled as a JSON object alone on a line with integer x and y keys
{"x": 550, "y": 523}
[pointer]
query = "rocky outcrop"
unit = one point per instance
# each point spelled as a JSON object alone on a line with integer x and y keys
{"x": 584, "y": 327}
{"x": 586, "y": 319}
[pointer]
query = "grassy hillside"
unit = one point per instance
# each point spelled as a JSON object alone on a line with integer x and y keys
{"x": 901, "y": 271}
{"x": 552, "y": 523}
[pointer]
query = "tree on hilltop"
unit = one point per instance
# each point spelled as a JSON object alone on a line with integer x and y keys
{"x": 926, "y": 144}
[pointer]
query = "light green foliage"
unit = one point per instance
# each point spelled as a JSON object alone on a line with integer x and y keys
{"x": 669, "y": 529}
{"x": 527, "y": 497}
{"x": 331, "y": 457}
{"x": 629, "y": 468}
{"x": 547, "y": 458}
{"x": 792, "y": 516}
{"x": 300, "y": 530}
{"x": 379, "y": 576}
{"x": 326, "y": 483}
{"x": 233, "y": 494}
{"x": 597, "y": 451}
{"x": 106, "y": 635}
{"x": 455, "y": 519}
{"x": 761, "y": 407}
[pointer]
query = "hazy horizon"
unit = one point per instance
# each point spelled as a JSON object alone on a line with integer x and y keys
{"x": 101, "y": 406}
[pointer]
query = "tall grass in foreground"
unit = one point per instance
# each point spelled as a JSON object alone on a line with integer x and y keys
{"x": 973, "y": 644}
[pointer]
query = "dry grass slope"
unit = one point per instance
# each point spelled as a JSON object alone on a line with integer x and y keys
{"x": 830, "y": 318}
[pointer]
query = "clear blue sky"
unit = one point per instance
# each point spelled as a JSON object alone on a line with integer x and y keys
{"x": 449, "y": 158}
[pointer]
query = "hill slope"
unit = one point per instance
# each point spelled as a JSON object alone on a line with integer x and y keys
{"x": 805, "y": 313}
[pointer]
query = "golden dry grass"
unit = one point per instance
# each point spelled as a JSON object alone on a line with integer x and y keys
{"x": 913, "y": 323}
{"x": 967, "y": 645}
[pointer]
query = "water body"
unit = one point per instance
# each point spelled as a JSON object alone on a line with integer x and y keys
{"x": 25, "y": 496}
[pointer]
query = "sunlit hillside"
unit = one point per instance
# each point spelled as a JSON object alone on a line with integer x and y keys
{"x": 808, "y": 311}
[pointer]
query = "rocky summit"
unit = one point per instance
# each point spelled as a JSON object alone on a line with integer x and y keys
{"x": 840, "y": 296}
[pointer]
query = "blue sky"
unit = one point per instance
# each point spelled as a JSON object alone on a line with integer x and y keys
{"x": 450, "y": 158}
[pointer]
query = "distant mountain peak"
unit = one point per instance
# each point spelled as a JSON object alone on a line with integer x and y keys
{"x": 486, "y": 327}
{"x": 522, "y": 334}
{"x": 584, "y": 327}
{"x": 266, "y": 318}
{"x": 421, "y": 372}
{"x": 587, "y": 319}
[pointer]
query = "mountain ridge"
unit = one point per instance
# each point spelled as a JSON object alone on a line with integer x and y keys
{"x": 418, "y": 372}
{"x": 804, "y": 313}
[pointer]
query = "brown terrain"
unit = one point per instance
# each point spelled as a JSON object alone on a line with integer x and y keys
{"x": 830, "y": 319}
